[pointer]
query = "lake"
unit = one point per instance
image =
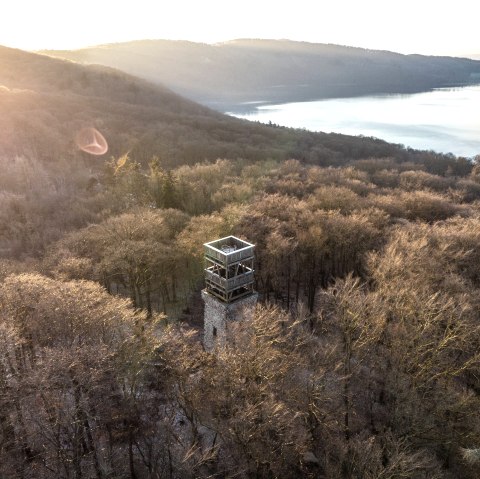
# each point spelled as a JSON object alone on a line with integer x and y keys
{"x": 445, "y": 120}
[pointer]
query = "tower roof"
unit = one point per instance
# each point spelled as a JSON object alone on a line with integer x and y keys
{"x": 228, "y": 250}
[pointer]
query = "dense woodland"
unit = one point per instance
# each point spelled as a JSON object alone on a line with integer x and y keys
{"x": 278, "y": 71}
{"x": 361, "y": 361}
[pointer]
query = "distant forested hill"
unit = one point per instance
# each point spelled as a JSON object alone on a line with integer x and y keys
{"x": 44, "y": 101}
{"x": 276, "y": 70}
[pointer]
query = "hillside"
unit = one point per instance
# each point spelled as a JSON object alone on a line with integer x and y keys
{"x": 45, "y": 101}
{"x": 239, "y": 71}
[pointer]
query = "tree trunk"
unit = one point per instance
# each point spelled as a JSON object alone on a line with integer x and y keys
{"x": 148, "y": 299}
{"x": 131, "y": 463}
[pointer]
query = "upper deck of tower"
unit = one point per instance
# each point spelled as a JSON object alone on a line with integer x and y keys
{"x": 229, "y": 250}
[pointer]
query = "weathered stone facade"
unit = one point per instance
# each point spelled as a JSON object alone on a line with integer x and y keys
{"x": 218, "y": 314}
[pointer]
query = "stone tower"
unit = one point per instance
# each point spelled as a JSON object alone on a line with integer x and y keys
{"x": 228, "y": 293}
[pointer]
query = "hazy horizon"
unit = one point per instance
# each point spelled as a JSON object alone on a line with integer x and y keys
{"x": 413, "y": 28}
{"x": 473, "y": 56}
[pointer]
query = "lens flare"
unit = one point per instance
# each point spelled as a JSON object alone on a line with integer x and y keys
{"x": 91, "y": 141}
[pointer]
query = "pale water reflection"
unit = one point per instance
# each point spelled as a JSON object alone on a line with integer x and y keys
{"x": 445, "y": 120}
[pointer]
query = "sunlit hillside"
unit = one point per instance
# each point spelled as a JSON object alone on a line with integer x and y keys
{"x": 46, "y": 101}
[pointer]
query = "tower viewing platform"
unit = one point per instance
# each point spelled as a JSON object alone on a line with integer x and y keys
{"x": 229, "y": 273}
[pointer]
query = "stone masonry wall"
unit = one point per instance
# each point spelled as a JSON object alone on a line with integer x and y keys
{"x": 218, "y": 314}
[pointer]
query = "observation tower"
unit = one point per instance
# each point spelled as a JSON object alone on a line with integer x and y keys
{"x": 228, "y": 293}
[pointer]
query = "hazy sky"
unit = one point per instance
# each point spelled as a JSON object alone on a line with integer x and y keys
{"x": 409, "y": 26}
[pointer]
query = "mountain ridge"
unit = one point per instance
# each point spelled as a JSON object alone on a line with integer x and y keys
{"x": 246, "y": 70}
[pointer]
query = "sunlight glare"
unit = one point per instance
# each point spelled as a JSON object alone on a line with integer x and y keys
{"x": 91, "y": 141}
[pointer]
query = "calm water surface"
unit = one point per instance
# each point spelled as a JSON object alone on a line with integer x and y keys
{"x": 446, "y": 120}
